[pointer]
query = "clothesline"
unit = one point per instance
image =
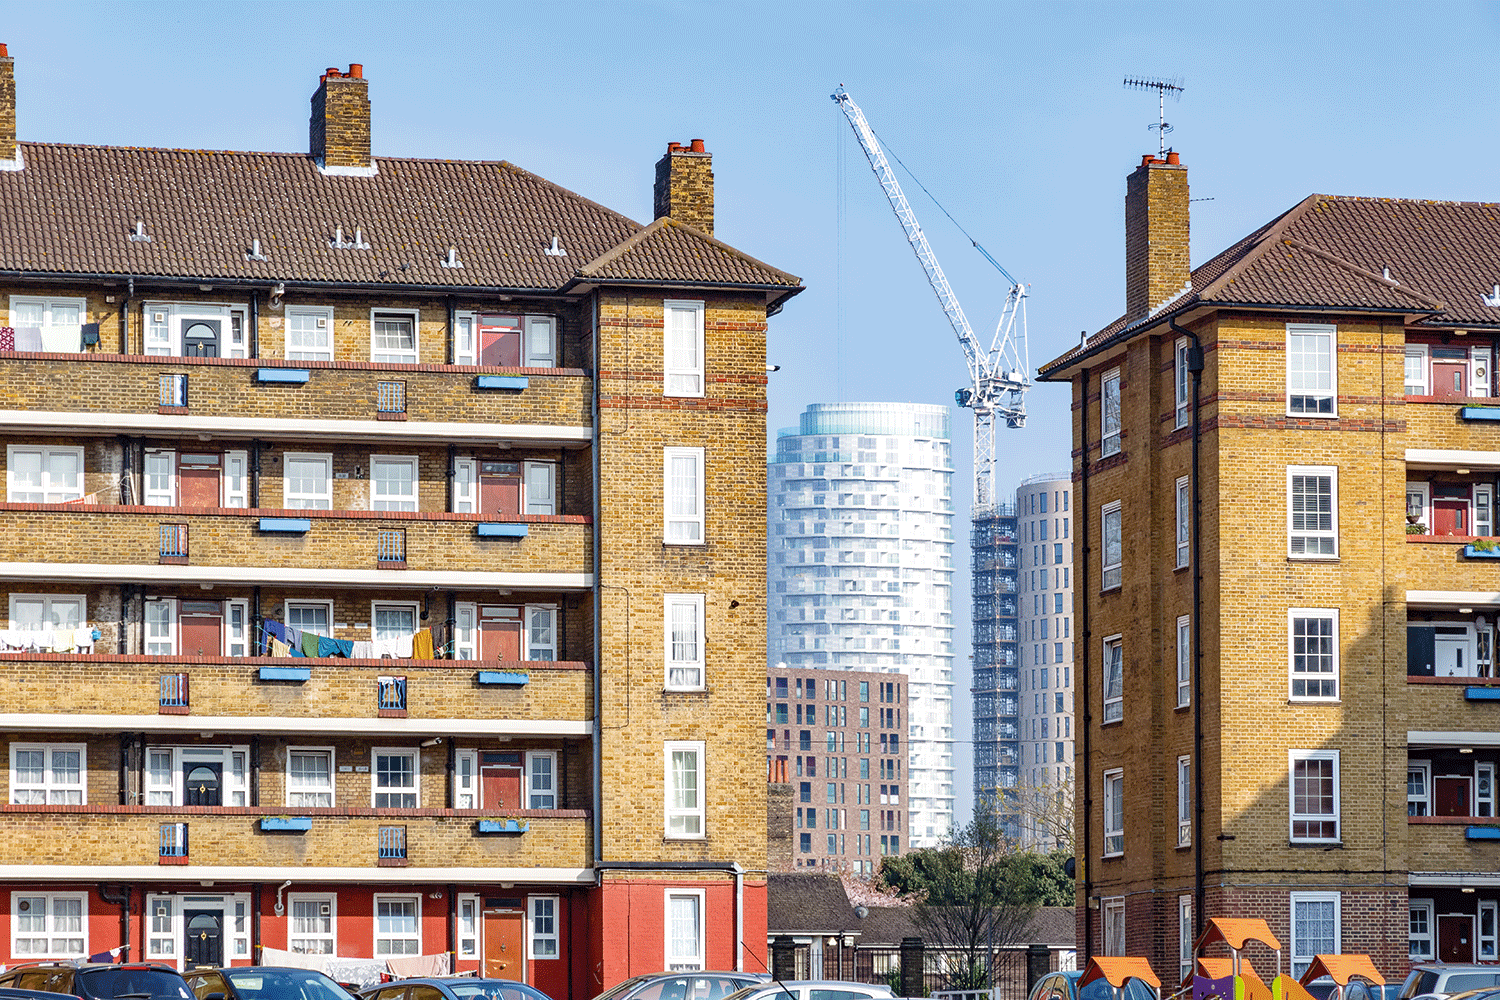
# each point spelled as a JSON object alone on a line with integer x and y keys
{"x": 50, "y": 640}
{"x": 279, "y": 639}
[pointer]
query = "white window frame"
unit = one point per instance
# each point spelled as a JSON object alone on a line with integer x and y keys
{"x": 378, "y": 937}
{"x": 672, "y": 960}
{"x": 1112, "y": 926}
{"x": 466, "y": 779}
{"x": 465, "y": 355}
{"x": 531, "y": 354}
{"x": 470, "y": 909}
{"x": 539, "y": 488}
{"x": 1113, "y": 679}
{"x": 1296, "y": 537}
{"x": 1417, "y": 374}
{"x": 156, "y": 643}
{"x": 1184, "y": 661}
{"x": 1423, "y": 799}
{"x": 236, "y": 488}
{"x": 151, "y": 494}
{"x": 1181, "y": 382}
{"x": 318, "y": 899}
{"x": 535, "y": 788}
{"x": 237, "y": 627}
{"x": 234, "y": 783}
{"x": 693, "y": 818}
{"x": 416, "y": 776}
{"x": 1184, "y": 522}
{"x": 1185, "y": 959}
{"x": 1484, "y": 511}
{"x": 1302, "y": 955}
{"x": 1293, "y": 757}
{"x": 1114, "y": 812}
{"x": 1109, "y": 423}
{"x": 1185, "y": 801}
{"x": 1425, "y": 907}
{"x": 542, "y": 944}
{"x": 1484, "y": 802}
{"x": 53, "y": 792}
{"x": 324, "y": 313}
{"x": 1111, "y": 575}
{"x": 163, "y": 919}
{"x": 541, "y": 632}
{"x": 1423, "y": 492}
{"x": 1479, "y": 370}
{"x": 397, "y": 502}
{"x": 47, "y": 599}
{"x": 331, "y": 791}
{"x": 50, "y": 934}
{"x": 307, "y": 501}
{"x": 286, "y": 613}
{"x": 46, "y": 452}
{"x": 1330, "y": 353}
{"x": 465, "y": 486}
{"x": 679, "y": 379}
{"x": 1304, "y": 677}
{"x": 382, "y": 356}
{"x": 1485, "y": 931}
{"x": 48, "y": 303}
{"x": 466, "y": 631}
{"x": 686, "y": 528}
{"x": 686, "y": 673}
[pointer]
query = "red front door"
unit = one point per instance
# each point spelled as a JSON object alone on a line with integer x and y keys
{"x": 202, "y": 624}
{"x": 500, "y": 635}
{"x": 1450, "y": 379}
{"x": 1450, "y": 796}
{"x": 500, "y": 489}
{"x": 500, "y": 784}
{"x": 1455, "y": 938}
{"x": 1450, "y": 516}
{"x": 504, "y": 945}
{"x": 500, "y": 341}
{"x": 199, "y": 479}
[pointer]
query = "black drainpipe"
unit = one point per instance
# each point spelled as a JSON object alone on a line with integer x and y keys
{"x": 254, "y": 324}
{"x": 255, "y": 892}
{"x": 453, "y": 922}
{"x": 1200, "y": 891}
{"x": 124, "y": 741}
{"x": 125, "y": 316}
{"x": 123, "y": 902}
{"x": 125, "y": 452}
{"x": 255, "y": 770}
{"x": 1082, "y": 582}
{"x": 255, "y": 475}
{"x": 452, "y": 334}
{"x": 452, "y": 466}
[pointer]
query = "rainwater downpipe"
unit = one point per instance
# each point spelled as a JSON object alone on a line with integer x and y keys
{"x": 1195, "y": 367}
{"x": 125, "y": 315}
{"x": 255, "y": 324}
{"x": 123, "y": 902}
{"x": 1083, "y": 582}
{"x": 598, "y": 789}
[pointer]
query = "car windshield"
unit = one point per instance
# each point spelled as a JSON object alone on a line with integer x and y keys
{"x": 481, "y": 989}
{"x": 127, "y": 982}
{"x": 284, "y": 984}
{"x": 1100, "y": 989}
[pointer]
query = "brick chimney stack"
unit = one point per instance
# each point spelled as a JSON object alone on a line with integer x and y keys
{"x": 1157, "y": 265}
{"x": 685, "y": 185}
{"x": 8, "y": 150}
{"x": 339, "y": 130}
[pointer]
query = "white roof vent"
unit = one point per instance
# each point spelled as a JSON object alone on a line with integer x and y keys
{"x": 140, "y": 235}
{"x": 1493, "y": 299}
{"x": 339, "y": 243}
{"x": 555, "y": 250}
{"x": 452, "y": 258}
{"x": 255, "y": 253}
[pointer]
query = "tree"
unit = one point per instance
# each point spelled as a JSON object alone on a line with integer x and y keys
{"x": 972, "y": 896}
{"x": 1045, "y": 807}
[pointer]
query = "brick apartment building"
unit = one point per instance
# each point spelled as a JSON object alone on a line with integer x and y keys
{"x": 836, "y": 737}
{"x": 1285, "y": 680}
{"x": 427, "y": 499}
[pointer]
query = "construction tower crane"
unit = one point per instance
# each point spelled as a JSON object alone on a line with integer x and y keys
{"x": 998, "y": 377}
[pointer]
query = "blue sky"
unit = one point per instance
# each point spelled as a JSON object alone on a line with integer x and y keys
{"x": 1013, "y": 115}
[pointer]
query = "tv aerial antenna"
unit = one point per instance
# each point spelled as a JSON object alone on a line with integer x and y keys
{"x": 1174, "y": 87}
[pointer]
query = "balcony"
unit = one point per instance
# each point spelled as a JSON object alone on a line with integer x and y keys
{"x": 234, "y": 837}
{"x": 442, "y": 546}
{"x": 228, "y": 395}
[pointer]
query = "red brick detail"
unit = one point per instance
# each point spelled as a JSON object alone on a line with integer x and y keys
{"x": 174, "y": 860}
{"x": 384, "y": 415}
{"x": 173, "y": 710}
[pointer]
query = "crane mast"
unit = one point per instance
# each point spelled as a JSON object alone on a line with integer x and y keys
{"x": 998, "y": 374}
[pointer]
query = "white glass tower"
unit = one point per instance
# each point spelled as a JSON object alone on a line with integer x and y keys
{"x": 860, "y": 570}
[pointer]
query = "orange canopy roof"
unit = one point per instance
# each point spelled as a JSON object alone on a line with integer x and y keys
{"x": 1287, "y": 988}
{"x": 1341, "y": 968}
{"x": 1117, "y": 970}
{"x": 1235, "y": 931}
{"x": 1220, "y": 968}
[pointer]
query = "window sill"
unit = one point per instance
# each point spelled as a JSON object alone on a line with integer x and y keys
{"x": 669, "y": 839}
{"x": 1314, "y": 701}
{"x": 1112, "y": 857}
{"x": 1449, "y": 820}
{"x": 174, "y": 860}
{"x": 1324, "y": 844}
{"x": 1312, "y": 559}
{"x": 684, "y": 690}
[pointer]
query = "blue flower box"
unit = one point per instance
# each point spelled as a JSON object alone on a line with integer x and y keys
{"x": 502, "y": 678}
{"x": 283, "y": 376}
{"x": 520, "y": 825}
{"x": 297, "y": 674}
{"x": 286, "y": 525}
{"x": 490, "y": 530}
{"x": 513, "y": 382}
{"x": 1482, "y": 832}
{"x": 1482, "y": 694}
{"x": 1480, "y": 413}
{"x": 296, "y": 824}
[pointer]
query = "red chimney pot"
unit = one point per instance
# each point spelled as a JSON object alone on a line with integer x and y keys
{"x": 697, "y": 145}
{"x": 4, "y": 52}
{"x": 330, "y": 71}
{"x": 1146, "y": 160}
{"x": 1173, "y": 158}
{"x": 673, "y": 147}
{"x": 357, "y": 70}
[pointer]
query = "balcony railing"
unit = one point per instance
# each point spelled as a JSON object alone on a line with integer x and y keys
{"x": 391, "y": 845}
{"x": 390, "y": 695}
{"x": 390, "y": 400}
{"x": 173, "y": 844}
{"x": 174, "y": 694}
{"x": 391, "y": 548}
{"x": 174, "y": 543}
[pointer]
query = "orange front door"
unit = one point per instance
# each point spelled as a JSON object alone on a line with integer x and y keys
{"x": 199, "y": 480}
{"x": 500, "y": 638}
{"x": 500, "y": 786}
{"x": 504, "y": 945}
{"x": 202, "y": 624}
{"x": 500, "y": 489}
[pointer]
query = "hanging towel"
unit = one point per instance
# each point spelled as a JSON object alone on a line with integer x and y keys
{"x": 293, "y": 959}
{"x": 28, "y": 338}
{"x": 279, "y": 648}
{"x": 343, "y": 647}
{"x": 327, "y": 646}
{"x": 363, "y": 650}
{"x": 419, "y": 965}
{"x": 310, "y": 643}
{"x": 62, "y": 339}
{"x": 293, "y": 637}
{"x": 274, "y": 629}
{"x": 403, "y": 647}
{"x": 421, "y": 647}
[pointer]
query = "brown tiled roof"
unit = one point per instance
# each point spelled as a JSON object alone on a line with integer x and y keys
{"x": 1332, "y": 253}
{"x": 808, "y": 903}
{"x": 72, "y": 210}
{"x": 668, "y": 250}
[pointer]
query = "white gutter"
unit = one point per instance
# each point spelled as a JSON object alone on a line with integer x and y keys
{"x": 1453, "y": 598}
{"x": 208, "y": 874}
{"x": 1453, "y": 878}
{"x": 1451, "y": 458}
{"x": 378, "y": 579}
{"x": 305, "y": 429}
{"x": 1425, "y": 737}
{"x": 269, "y": 724}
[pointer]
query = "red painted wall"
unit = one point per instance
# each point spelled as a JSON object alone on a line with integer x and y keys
{"x": 630, "y": 930}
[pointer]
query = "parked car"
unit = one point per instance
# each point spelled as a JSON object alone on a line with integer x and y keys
{"x": 682, "y": 986}
{"x": 454, "y": 988}
{"x": 1064, "y": 986}
{"x": 1443, "y": 979}
{"x": 263, "y": 982}
{"x": 813, "y": 989}
{"x": 98, "y": 981}
{"x": 11, "y": 993}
